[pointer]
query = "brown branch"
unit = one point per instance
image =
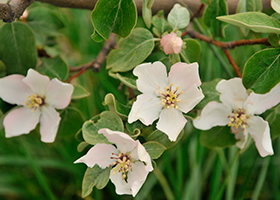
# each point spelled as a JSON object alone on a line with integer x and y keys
{"x": 197, "y": 13}
{"x": 231, "y": 61}
{"x": 14, "y": 9}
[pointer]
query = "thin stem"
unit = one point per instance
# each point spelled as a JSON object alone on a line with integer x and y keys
{"x": 164, "y": 184}
{"x": 231, "y": 61}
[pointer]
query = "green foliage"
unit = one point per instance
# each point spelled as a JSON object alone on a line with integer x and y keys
{"x": 261, "y": 72}
{"x": 2, "y": 69}
{"x": 154, "y": 149}
{"x": 115, "y": 106}
{"x": 131, "y": 51}
{"x": 217, "y": 137}
{"x": 179, "y": 17}
{"x": 249, "y": 5}
{"x": 17, "y": 49}
{"x": 273, "y": 118}
{"x": 192, "y": 51}
{"x": 255, "y": 21}
{"x": 95, "y": 176}
{"x": 275, "y": 4}
{"x": 274, "y": 39}
{"x": 79, "y": 92}
{"x": 160, "y": 24}
{"x": 54, "y": 68}
{"x": 147, "y": 13}
{"x": 117, "y": 16}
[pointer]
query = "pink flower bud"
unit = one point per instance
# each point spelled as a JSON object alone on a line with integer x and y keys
{"x": 171, "y": 43}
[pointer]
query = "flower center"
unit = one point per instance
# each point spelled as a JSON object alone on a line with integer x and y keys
{"x": 122, "y": 164}
{"x": 170, "y": 97}
{"x": 34, "y": 101}
{"x": 238, "y": 119}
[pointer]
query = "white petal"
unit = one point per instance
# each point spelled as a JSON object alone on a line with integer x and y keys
{"x": 213, "y": 114}
{"x": 151, "y": 77}
{"x": 259, "y": 130}
{"x": 190, "y": 98}
{"x": 184, "y": 75}
{"x": 13, "y": 90}
{"x": 241, "y": 136}
{"x": 59, "y": 94}
{"x": 171, "y": 122}
{"x": 20, "y": 121}
{"x": 146, "y": 108}
{"x": 258, "y": 103}
{"x": 37, "y": 82}
{"x": 49, "y": 123}
{"x": 233, "y": 93}
{"x": 122, "y": 187}
{"x": 123, "y": 141}
{"x": 100, "y": 154}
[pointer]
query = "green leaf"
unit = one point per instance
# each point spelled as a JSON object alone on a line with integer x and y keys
{"x": 174, "y": 58}
{"x": 54, "y": 68}
{"x": 273, "y": 118}
{"x": 95, "y": 176}
{"x": 214, "y": 9}
{"x": 274, "y": 39}
{"x": 134, "y": 129}
{"x": 117, "y": 16}
{"x": 154, "y": 149}
{"x": 220, "y": 137}
{"x": 160, "y": 23}
{"x": 79, "y": 92}
{"x": 178, "y": 17}
{"x": 131, "y": 51}
{"x": 105, "y": 119}
{"x": 2, "y": 69}
{"x": 128, "y": 79}
{"x": 17, "y": 49}
{"x": 192, "y": 51}
{"x": 147, "y": 13}
{"x": 249, "y": 5}
{"x": 255, "y": 21}
{"x": 116, "y": 106}
{"x": 261, "y": 71}
{"x": 275, "y": 4}
{"x": 210, "y": 93}
{"x": 82, "y": 146}
{"x": 96, "y": 37}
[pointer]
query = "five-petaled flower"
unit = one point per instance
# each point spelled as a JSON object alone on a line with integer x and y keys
{"x": 166, "y": 97}
{"x": 38, "y": 98}
{"x": 128, "y": 159}
{"x": 171, "y": 43}
{"x": 238, "y": 110}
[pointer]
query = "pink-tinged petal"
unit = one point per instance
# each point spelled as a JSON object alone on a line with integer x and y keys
{"x": 171, "y": 122}
{"x": 37, "y": 82}
{"x": 233, "y": 93}
{"x": 177, "y": 46}
{"x": 258, "y": 103}
{"x": 122, "y": 187}
{"x": 165, "y": 39}
{"x": 49, "y": 123}
{"x": 123, "y": 141}
{"x": 137, "y": 177}
{"x": 152, "y": 78}
{"x": 59, "y": 94}
{"x": 20, "y": 121}
{"x": 189, "y": 99}
{"x": 259, "y": 130}
{"x": 100, "y": 154}
{"x": 213, "y": 114}
{"x": 146, "y": 108}
{"x": 13, "y": 90}
{"x": 171, "y": 43}
{"x": 184, "y": 76}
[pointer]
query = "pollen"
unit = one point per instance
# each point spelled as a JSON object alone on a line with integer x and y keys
{"x": 170, "y": 98}
{"x": 238, "y": 119}
{"x": 34, "y": 101}
{"x": 122, "y": 164}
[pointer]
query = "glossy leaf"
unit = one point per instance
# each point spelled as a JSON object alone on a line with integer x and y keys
{"x": 192, "y": 51}
{"x": 79, "y": 92}
{"x": 178, "y": 17}
{"x": 95, "y": 176}
{"x": 255, "y": 21}
{"x": 261, "y": 71}
{"x": 154, "y": 149}
{"x": 116, "y": 106}
{"x": 117, "y": 16}
{"x": 54, "y": 68}
{"x": 17, "y": 49}
{"x": 131, "y": 51}
{"x": 220, "y": 137}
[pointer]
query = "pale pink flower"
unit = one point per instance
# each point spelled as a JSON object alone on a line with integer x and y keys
{"x": 37, "y": 97}
{"x": 166, "y": 97}
{"x": 171, "y": 43}
{"x": 128, "y": 159}
{"x": 238, "y": 110}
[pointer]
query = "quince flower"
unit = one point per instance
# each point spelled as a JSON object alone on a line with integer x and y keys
{"x": 128, "y": 159}
{"x": 238, "y": 110}
{"x": 38, "y": 98}
{"x": 171, "y": 43}
{"x": 166, "y": 97}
